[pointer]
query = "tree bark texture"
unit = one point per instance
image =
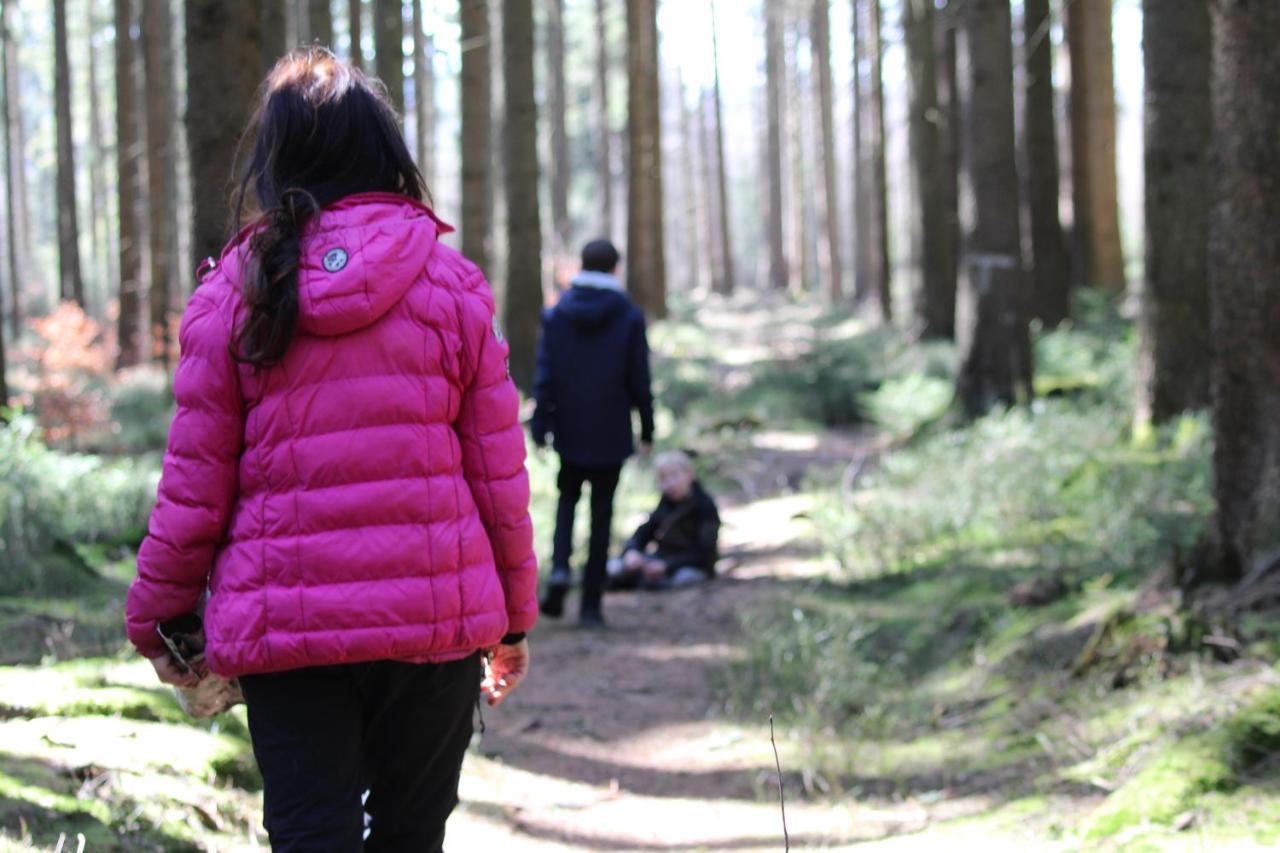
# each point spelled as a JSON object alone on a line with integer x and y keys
{"x": 775, "y": 73}
{"x": 17, "y": 222}
{"x": 355, "y": 24}
{"x": 1244, "y": 264}
{"x": 1174, "y": 350}
{"x": 1093, "y": 145}
{"x": 1051, "y": 294}
{"x": 129, "y": 150}
{"x": 689, "y": 182}
{"x": 802, "y": 262}
{"x": 934, "y": 299}
{"x": 99, "y": 245}
{"x": 556, "y": 105}
{"x": 646, "y": 260}
{"x": 388, "y": 34}
{"x": 424, "y": 93}
{"x": 477, "y": 128}
{"x": 994, "y": 344}
{"x": 724, "y": 235}
{"x": 604, "y": 129}
{"x": 827, "y": 199}
{"x": 224, "y": 52}
{"x": 523, "y": 302}
{"x": 71, "y": 283}
{"x": 320, "y": 23}
{"x": 949, "y": 174}
{"x": 157, "y": 55}
{"x": 871, "y": 190}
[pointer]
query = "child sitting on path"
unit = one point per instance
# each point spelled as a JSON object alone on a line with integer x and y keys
{"x": 676, "y": 547}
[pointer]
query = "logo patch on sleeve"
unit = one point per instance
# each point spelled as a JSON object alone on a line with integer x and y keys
{"x": 335, "y": 260}
{"x": 497, "y": 331}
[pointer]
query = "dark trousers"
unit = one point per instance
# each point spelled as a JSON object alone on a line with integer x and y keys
{"x": 604, "y": 483}
{"x": 325, "y": 735}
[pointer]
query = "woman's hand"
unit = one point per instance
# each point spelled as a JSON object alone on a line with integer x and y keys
{"x": 168, "y": 671}
{"x": 505, "y": 667}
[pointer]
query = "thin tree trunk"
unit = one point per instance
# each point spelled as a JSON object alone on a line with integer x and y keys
{"x": 320, "y": 22}
{"x": 556, "y": 104}
{"x": 724, "y": 235}
{"x": 71, "y": 284}
{"x": 1051, "y": 295}
{"x": 227, "y": 35}
{"x": 99, "y": 239}
{"x": 827, "y": 200}
{"x": 424, "y": 93}
{"x": 775, "y": 72}
{"x": 497, "y": 150}
{"x": 128, "y": 188}
{"x": 157, "y": 54}
{"x": 477, "y": 123}
{"x": 994, "y": 343}
{"x": 934, "y": 301}
{"x": 1174, "y": 352}
{"x": 646, "y": 261}
{"x": 949, "y": 172}
{"x": 16, "y": 220}
{"x": 1093, "y": 145}
{"x": 275, "y": 39}
{"x": 864, "y": 287}
{"x": 688, "y": 178}
{"x": 713, "y": 247}
{"x": 523, "y": 303}
{"x": 878, "y": 190}
{"x": 1244, "y": 269}
{"x": 604, "y": 130}
{"x": 355, "y": 23}
{"x": 801, "y": 272}
{"x": 388, "y": 35}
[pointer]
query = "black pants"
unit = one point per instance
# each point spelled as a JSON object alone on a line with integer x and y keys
{"x": 324, "y": 735}
{"x": 604, "y": 482}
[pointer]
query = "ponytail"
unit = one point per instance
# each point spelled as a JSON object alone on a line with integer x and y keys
{"x": 271, "y": 288}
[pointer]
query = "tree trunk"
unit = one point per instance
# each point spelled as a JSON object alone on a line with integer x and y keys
{"x": 424, "y": 93}
{"x": 1244, "y": 266}
{"x": 830, "y": 271}
{"x": 523, "y": 302}
{"x": 556, "y": 104}
{"x": 646, "y": 261}
{"x": 1093, "y": 145}
{"x": 1051, "y": 295}
{"x": 275, "y": 40}
{"x": 128, "y": 188}
{"x": 934, "y": 302}
{"x": 870, "y": 190}
{"x": 1174, "y": 350}
{"x": 724, "y": 236}
{"x": 604, "y": 130}
{"x": 711, "y": 254}
{"x": 320, "y": 22}
{"x": 949, "y": 173}
{"x": 355, "y": 23}
{"x": 995, "y": 347}
{"x": 227, "y": 35}
{"x": 157, "y": 55}
{"x": 801, "y": 272}
{"x": 17, "y": 223}
{"x": 689, "y": 182}
{"x": 477, "y": 124}
{"x": 388, "y": 37}
{"x": 98, "y": 241}
{"x": 775, "y": 72}
{"x": 71, "y": 284}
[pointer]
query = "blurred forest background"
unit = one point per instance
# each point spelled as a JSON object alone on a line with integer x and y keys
{"x": 969, "y": 308}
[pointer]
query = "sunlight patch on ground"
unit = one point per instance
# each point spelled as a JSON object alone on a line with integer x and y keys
{"x": 787, "y": 442}
{"x": 710, "y": 652}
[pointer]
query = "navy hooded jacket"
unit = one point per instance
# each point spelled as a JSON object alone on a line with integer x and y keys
{"x": 593, "y": 369}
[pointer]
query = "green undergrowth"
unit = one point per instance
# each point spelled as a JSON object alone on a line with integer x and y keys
{"x": 1000, "y": 624}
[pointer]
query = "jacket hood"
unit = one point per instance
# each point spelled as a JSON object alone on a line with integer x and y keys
{"x": 359, "y": 257}
{"x": 589, "y": 307}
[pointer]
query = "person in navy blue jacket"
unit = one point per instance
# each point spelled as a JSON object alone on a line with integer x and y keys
{"x": 592, "y": 372}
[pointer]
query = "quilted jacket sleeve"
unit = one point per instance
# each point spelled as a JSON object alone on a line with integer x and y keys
{"x": 199, "y": 483}
{"x": 493, "y": 455}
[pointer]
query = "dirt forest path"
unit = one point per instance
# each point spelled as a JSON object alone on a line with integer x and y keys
{"x": 615, "y": 741}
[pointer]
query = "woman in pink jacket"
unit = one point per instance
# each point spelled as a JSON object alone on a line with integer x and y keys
{"x": 345, "y": 478}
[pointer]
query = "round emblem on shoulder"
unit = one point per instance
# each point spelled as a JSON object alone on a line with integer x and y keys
{"x": 335, "y": 259}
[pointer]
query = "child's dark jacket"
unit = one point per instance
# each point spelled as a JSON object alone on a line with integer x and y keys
{"x": 684, "y": 532}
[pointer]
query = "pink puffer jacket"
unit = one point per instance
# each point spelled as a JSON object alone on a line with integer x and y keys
{"x": 366, "y": 499}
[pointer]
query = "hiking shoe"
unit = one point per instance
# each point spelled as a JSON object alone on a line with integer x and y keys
{"x": 552, "y": 602}
{"x": 591, "y": 620}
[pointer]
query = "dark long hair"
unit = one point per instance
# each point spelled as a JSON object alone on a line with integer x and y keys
{"x": 322, "y": 131}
